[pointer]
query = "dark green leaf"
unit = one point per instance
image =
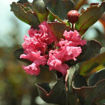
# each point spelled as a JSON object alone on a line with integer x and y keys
{"x": 91, "y": 94}
{"x": 57, "y": 95}
{"x": 79, "y": 81}
{"x": 58, "y": 29}
{"x": 45, "y": 75}
{"x": 25, "y": 13}
{"x": 72, "y": 98}
{"x": 89, "y": 17}
{"x": 71, "y": 74}
{"x": 100, "y": 75}
{"x": 59, "y": 8}
{"x": 89, "y": 65}
{"x": 90, "y": 50}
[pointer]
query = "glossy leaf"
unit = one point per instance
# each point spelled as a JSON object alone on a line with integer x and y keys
{"x": 90, "y": 50}
{"x": 89, "y": 65}
{"x": 72, "y": 74}
{"x": 91, "y": 94}
{"x": 40, "y": 9}
{"x": 58, "y": 29}
{"x": 57, "y": 95}
{"x": 25, "y": 13}
{"x": 89, "y": 17}
{"x": 59, "y": 8}
{"x": 93, "y": 79}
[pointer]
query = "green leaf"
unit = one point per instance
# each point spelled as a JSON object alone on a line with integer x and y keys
{"x": 57, "y": 95}
{"x": 25, "y": 13}
{"x": 89, "y": 65}
{"x": 90, "y": 50}
{"x": 89, "y": 17}
{"x": 59, "y": 8}
{"x": 71, "y": 74}
{"x": 93, "y": 79}
{"x": 72, "y": 98}
{"x": 58, "y": 28}
{"x": 40, "y": 9}
{"x": 79, "y": 81}
{"x": 45, "y": 75}
{"x": 51, "y": 18}
{"x": 91, "y": 94}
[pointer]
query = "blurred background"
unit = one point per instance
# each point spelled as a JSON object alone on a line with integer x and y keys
{"x": 16, "y": 87}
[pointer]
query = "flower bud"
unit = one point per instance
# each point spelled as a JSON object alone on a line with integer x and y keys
{"x": 73, "y": 16}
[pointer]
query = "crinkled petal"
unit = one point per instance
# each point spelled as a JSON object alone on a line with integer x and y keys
{"x": 32, "y": 69}
{"x": 74, "y": 37}
{"x": 35, "y": 57}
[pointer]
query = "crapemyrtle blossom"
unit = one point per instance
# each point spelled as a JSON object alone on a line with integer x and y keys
{"x": 36, "y": 49}
{"x": 68, "y": 49}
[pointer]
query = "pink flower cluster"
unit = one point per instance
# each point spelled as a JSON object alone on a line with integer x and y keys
{"x": 36, "y": 49}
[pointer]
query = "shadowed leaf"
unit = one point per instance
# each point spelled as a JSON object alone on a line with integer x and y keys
{"x": 89, "y": 17}
{"x": 72, "y": 73}
{"x": 79, "y": 81}
{"x": 59, "y": 8}
{"x": 93, "y": 79}
{"x": 45, "y": 75}
{"x": 89, "y": 65}
{"x": 90, "y": 50}
{"x": 57, "y": 95}
{"x": 58, "y": 29}
{"x": 91, "y": 94}
{"x": 25, "y": 13}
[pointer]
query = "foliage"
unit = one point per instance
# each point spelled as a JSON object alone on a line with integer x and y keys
{"x": 83, "y": 83}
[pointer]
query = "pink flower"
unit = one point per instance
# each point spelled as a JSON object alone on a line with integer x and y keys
{"x": 55, "y": 63}
{"x": 33, "y": 44}
{"x": 68, "y": 49}
{"x": 35, "y": 57}
{"x": 74, "y": 37}
{"x": 37, "y": 60}
{"x": 35, "y": 47}
{"x": 44, "y": 34}
{"x": 58, "y": 57}
{"x": 32, "y": 69}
